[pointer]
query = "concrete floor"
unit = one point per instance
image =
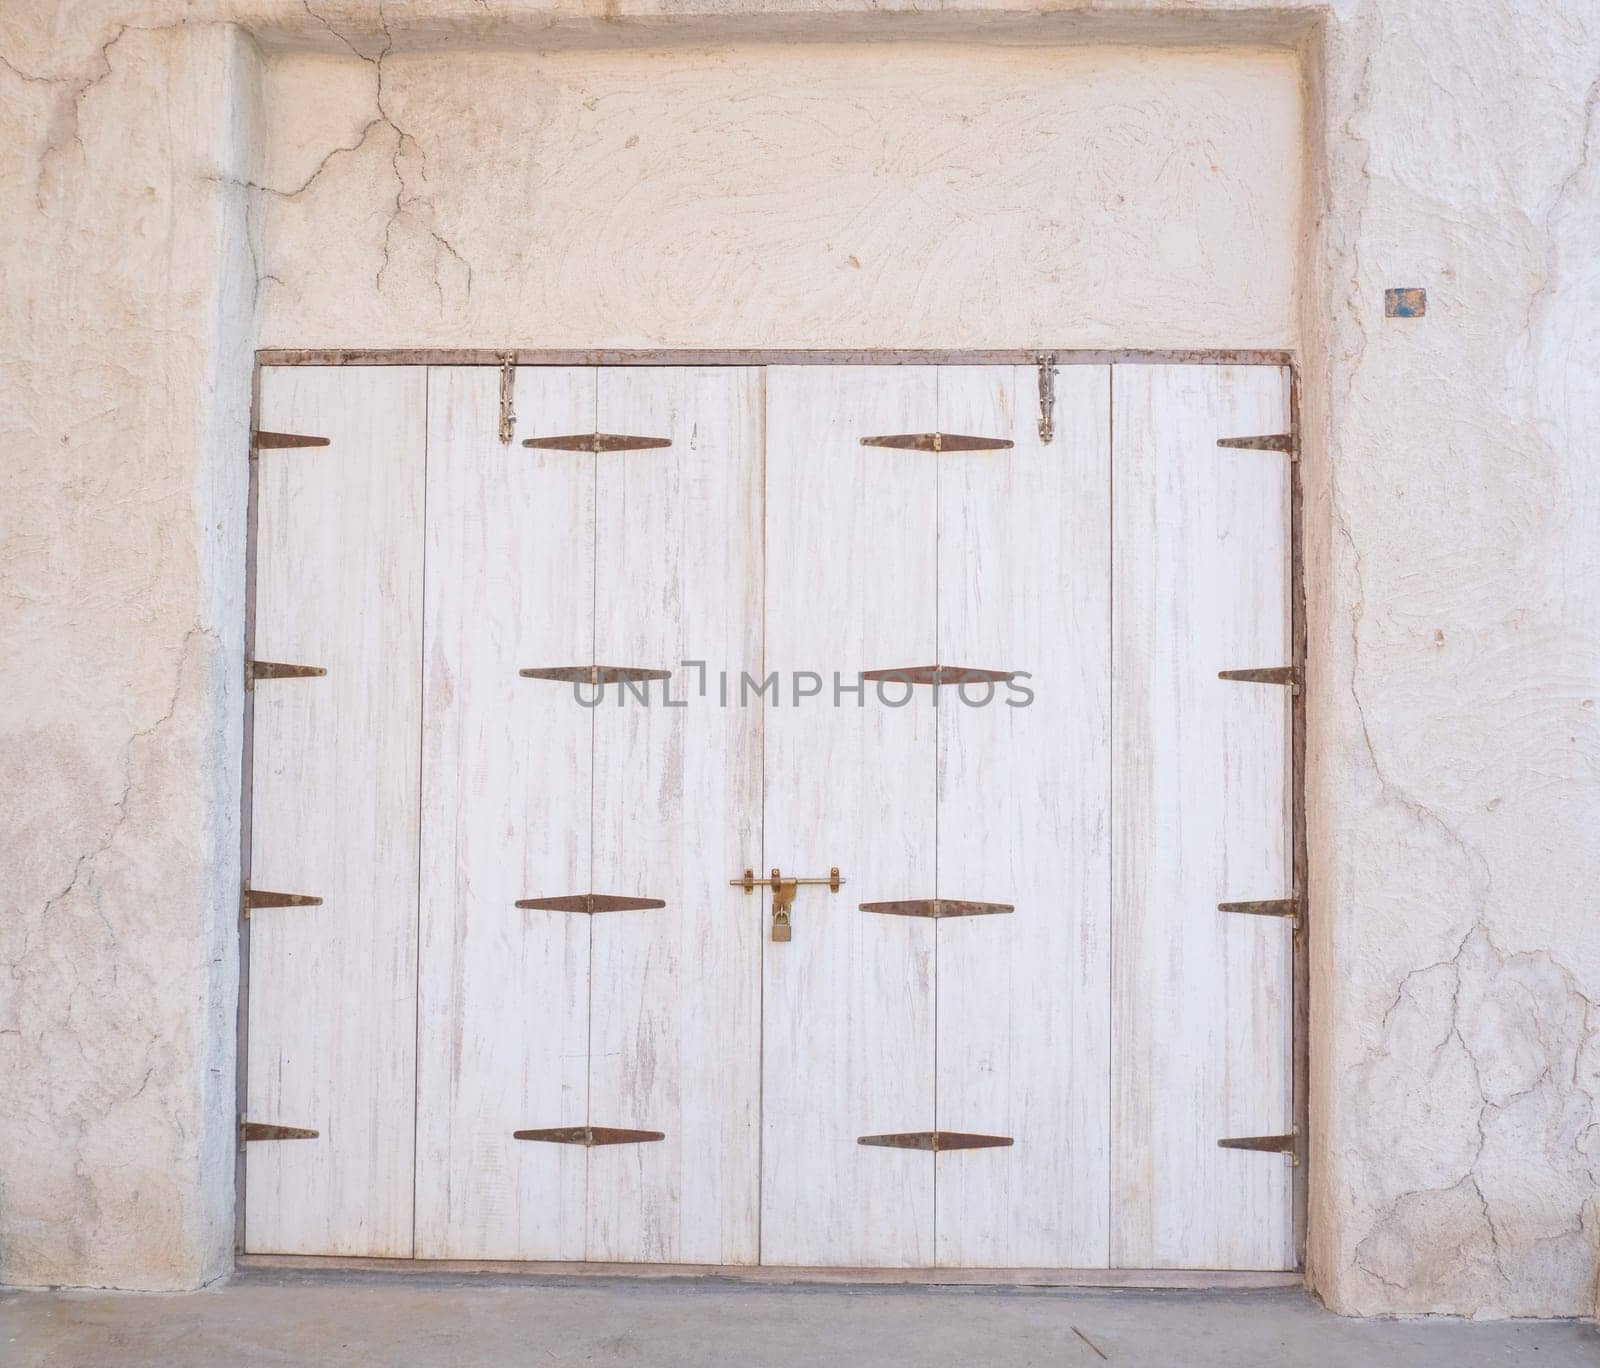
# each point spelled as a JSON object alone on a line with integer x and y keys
{"x": 441, "y": 1322}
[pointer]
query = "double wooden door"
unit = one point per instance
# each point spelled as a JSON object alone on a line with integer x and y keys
{"x": 605, "y": 674}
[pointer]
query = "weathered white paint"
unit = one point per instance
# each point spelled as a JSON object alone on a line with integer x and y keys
{"x": 1025, "y": 818}
{"x": 503, "y": 1011}
{"x": 335, "y": 791}
{"x": 674, "y": 997}
{"x": 847, "y": 1027}
{"x": 1451, "y": 520}
{"x": 1200, "y": 1036}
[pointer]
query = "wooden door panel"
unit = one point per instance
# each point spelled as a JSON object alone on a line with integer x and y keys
{"x": 1201, "y": 1022}
{"x": 675, "y": 999}
{"x": 1024, "y": 799}
{"x": 504, "y": 1010}
{"x": 332, "y": 1010}
{"x": 848, "y": 1021}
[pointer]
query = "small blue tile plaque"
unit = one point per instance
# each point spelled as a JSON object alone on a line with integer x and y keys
{"x": 1405, "y": 303}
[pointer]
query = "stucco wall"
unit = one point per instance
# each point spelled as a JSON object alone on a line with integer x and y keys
{"x": 780, "y": 195}
{"x": 175, "y": 194}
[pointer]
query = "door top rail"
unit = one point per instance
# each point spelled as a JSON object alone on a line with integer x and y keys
{"x": 764, "y": 356}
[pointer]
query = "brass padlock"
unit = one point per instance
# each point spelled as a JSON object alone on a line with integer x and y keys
{"x": 783, "y": 891}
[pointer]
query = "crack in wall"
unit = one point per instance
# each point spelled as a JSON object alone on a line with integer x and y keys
{"x": 119, "y": 808}
{"x": 1537, "y": 301}
{"x": 1390, "y": 1227}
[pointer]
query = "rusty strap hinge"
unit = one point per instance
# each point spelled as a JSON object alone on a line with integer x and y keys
{"x": 936, "y": 908}
{"x": 1285, "y": 442}
{"x": 597, "y": 442}
{"x": 276, "y": 669}
{"x": 283, "y": 441}
{"x": 589, "y": 1135}
{"x": 1267, "y": 907}
{"x": 590, "y": 903}
{"x": 937, "y": 441}
{"x": 1275, "y": 674}
{"x": 1047, "y": 397}
{"x": 252, "y": 898}
{"x": 937, "y": 1141}
{"x": 508, "y": 410}
{"x": 262, "y": 1130}
{"x": 1285, "y": 1145}
{"x": 594, "y": 674}
{"x": 939, "y": 674}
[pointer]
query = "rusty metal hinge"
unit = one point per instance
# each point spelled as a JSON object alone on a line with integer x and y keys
{"x": 253, "y": 898}
{"x": 589, "y": 903}
{"x": 283, "y": 441}
{"x": 589, "y": 1135}
{"x": 940, "y": 674}
{"x": 508, "y": 410}
{"x": 1285, "y": 1145}
{"x": 1267, "y": 907}
{"x": 262, "y": 1130}
{"x": 597, "y": 442}
{"x": 1047, "y": 397}
{"x": 937, "y": 1141}
{"x": 937, "y": 441}
{"x": 1285, "y": 442}
{"x": 1275, "y": 674}
{"x": 594, "y": 674}
{"x": 276, "y": 669}
{"x": 936, "y": 908}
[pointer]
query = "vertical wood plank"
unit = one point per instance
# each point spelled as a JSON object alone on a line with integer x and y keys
{"x": 1023, "y": 999}
{"x": 1201, "y": 1036}
{"x": 848, "y": 1020}
{"x": 676, "y": 990}
{"x": 332, "y": 1011}
{"x": 506, "y": 790}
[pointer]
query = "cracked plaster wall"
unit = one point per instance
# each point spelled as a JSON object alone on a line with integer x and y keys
{"x": 183, "y": 182}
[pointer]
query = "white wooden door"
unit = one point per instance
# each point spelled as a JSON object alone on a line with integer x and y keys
{"x": 1040, "y": 1022}
{"x": 1023, "y": 999}
{"x": 507, "y": 766}
{"x": 556, "y": 1022}
{"x": 1201, "y": 783}
{"x": 332, "y": 1010}
{"x": 848, "y": 1017}
{"x": 932, "y": 1010}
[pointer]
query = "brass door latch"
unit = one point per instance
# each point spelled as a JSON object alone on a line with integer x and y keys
{"x": 783, "y": 891}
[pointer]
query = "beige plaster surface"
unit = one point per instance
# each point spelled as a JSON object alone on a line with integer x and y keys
{"x": 772, "y": 195}
{"x": 185, "y": 181}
